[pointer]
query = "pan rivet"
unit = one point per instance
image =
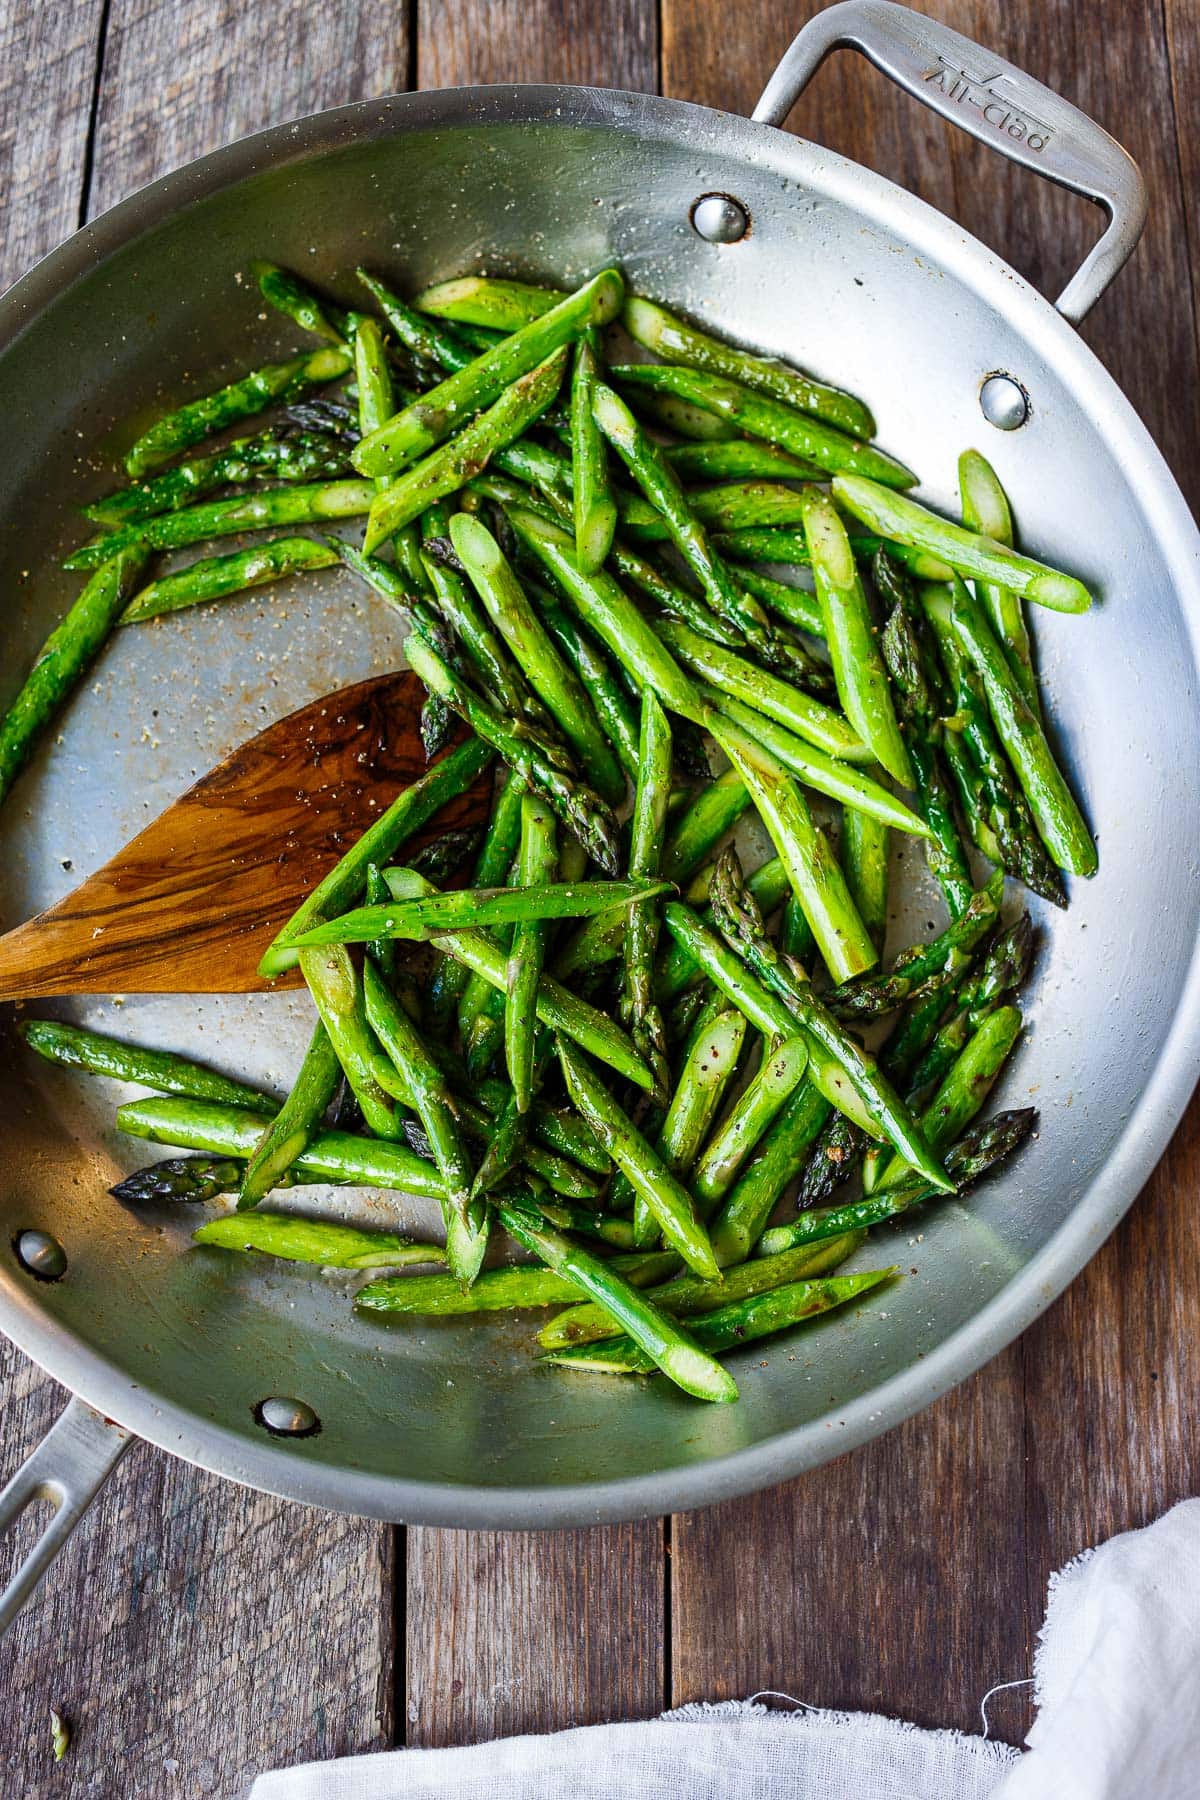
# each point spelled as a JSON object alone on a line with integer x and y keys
{"x": 41, "y": 1255}
{"x": 287, "y": 1418}
{"x": 720, "y": 219}
{"x": 1004, "y": 402}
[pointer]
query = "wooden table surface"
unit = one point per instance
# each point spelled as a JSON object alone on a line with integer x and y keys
{"x": 195, "y": 1633}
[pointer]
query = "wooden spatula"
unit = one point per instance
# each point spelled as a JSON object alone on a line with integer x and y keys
{"x": 191, "y": 904}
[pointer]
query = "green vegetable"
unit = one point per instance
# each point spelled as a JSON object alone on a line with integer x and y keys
{"x": 537, "y": 868}
{"x": 321, "y": 1241}
{"x": 434, "y": 415}
{"x": 73, "y": 1047}
{"x": 676, "y": 341}
{"x": 270, "y": 385}
{"x": 667, "y": 1199}
{"x": 896, "y": 516}
{"x": 64, "y": 658}
{"x": 295, "y": 1124}
{"x": 215, "y": 577}
{"x": 595, "y": 508}
{"x": 764, "y": 417}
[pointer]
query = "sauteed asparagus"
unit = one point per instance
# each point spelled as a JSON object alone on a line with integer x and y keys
{"x": 627, "y": 1035}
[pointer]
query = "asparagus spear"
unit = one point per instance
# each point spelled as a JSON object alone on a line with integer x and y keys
{"x": 548, "y": 674}
{"x": 296, "y": 300}
{"x": 864, "y": 851}
{"x": 296, "y": 1122}
{"x": 445, "y": 469}
{"x": 488, "y": 300}
{"x": 537, "y": 868}
{"x": 691, "y": 1297}
{"x": 663, "y": 1194}
{"x": 733, "y": 1325}
{"x": 334, "y": 1156}
{"x": 432, "y": 417}
{"x": 858, "y": 669}
{"x": 775, "y": 544}
{"x": 336, "y": 989}
{"x": 216, "y": 577}
{"x": 779, "y": 1074}
{"x": 766, "y": 693}
{"x": 668, "y": 1348}
{"x": 73, "y": 1047}
{"x": 765, "y": 417}
{"x": 295, "y": 456}
{"x": 896, "y": 516}
{"x": 740, "y": 923}
{"x": 595, "y": 509}
{"x": 322, "y": 1241}
{"x": 187, "y": 1180}
{"x": 653, "y": 474}
{"x": 432, "y": 344}
{"x": 733, "y": 506}
{"x": 816, "y": 880}
{"x": 749, "y": 1205}
{"x": 639, "y": 1009}
{"x": 923, "y": 968}
{"x": 581, "y": 810}
{"x": 672, "y": 598}
{"x": 1001, "y": 972}
{"x": 677, "y": 341}
{"x": 242, "y": 399}
{"x": 991, "y": 795}
{"x": 617, "y": 622}
{"x": 742, "y": 459}
{"x": 501, "y": 1290}
{"x": 67, "y": 653}
{"x": 985, "y": 509}
{"x": 855, "y": 788}
{"x": 795, "y": 604}
{"x": 310, "y": 503}
{"x": 977, "y": 1152}
{"x": 964, "y": 1089}
{"x": 1054, "y": 808}
{"x": 614, "y": 709}
{"x": 901, "y": 649}
{"x": 478, "y": 908}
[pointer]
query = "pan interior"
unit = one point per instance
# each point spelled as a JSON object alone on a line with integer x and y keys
{"x": 453, "y": 1421}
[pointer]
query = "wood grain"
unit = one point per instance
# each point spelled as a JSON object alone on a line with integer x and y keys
{"x": 46, "y": 81}
{"x": 180, "y": 79}
{"x": 531, "y": 1631}
{"x": 192, "y": 903}
{"x": 597, "y": 43}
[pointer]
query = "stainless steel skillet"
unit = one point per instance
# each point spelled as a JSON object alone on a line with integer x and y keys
{"x": 803, "y": 252}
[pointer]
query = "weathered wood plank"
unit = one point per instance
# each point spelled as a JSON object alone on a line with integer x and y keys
{"x": 535, "y": 1631}
{"x": 1111, "y": 1373}
{"x": 888, "y": 1581}
{"x": 1045, "y": 232}
{"x": 47, "y": 68}
{"x": 532, "y": 1631}
{"x": 179, "y": 80}
{"x": 1183, "y": 48}
{"x": 602, "y": 43}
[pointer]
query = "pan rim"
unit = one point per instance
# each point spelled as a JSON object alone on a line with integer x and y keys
{"x": 287, "y": 1470}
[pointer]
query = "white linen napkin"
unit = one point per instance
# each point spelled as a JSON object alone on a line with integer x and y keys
{"x": 1116, "y": 1682}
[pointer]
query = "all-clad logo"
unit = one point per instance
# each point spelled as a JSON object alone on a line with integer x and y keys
{"x": 981, "y": 92}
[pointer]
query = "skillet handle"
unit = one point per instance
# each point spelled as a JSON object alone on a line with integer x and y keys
{"x": 69, "y": 1467}
{"x": 995, "y": 102}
